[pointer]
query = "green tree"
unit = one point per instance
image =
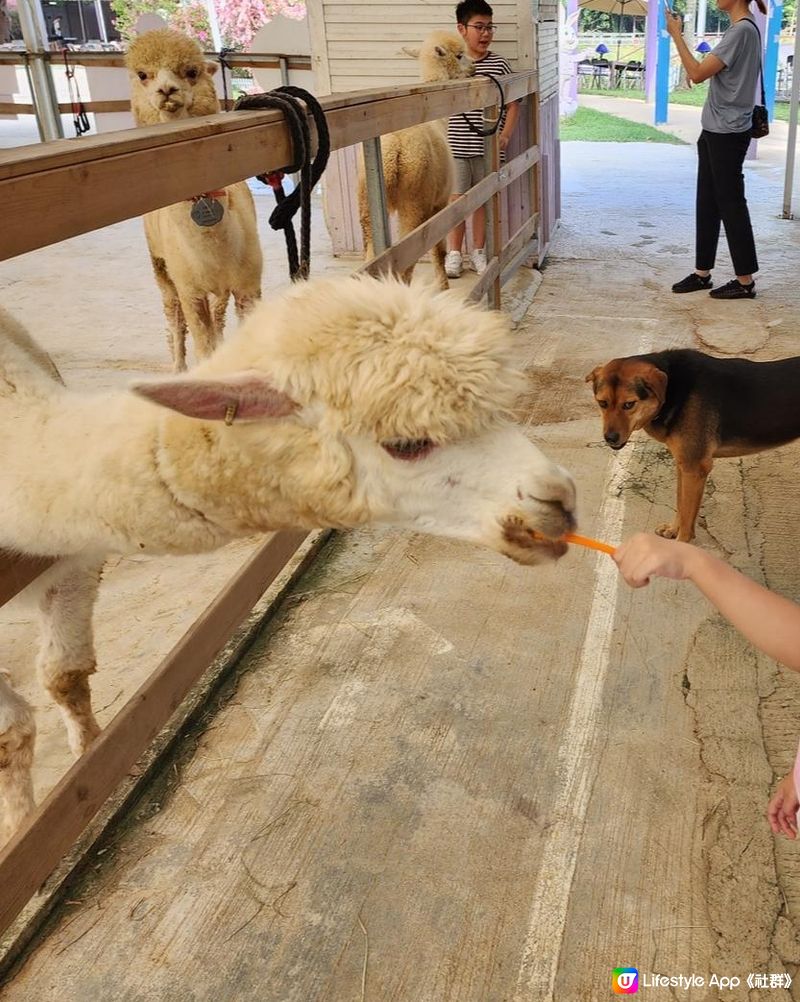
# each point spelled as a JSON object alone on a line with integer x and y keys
{"x": 128, "y": 12}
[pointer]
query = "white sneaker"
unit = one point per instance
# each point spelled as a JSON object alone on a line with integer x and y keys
{"x": 453, "y": 265}
{"x": 479, "y": 260}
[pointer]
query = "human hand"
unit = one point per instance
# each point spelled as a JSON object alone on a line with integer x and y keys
{"x": 504, "y": 140}
{"x": 646, "y": 555}
{"x": 782, "y": 809}
{"x": 674, "y": 22}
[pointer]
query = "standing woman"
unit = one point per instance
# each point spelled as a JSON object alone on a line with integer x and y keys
{"x": 733, "y": 69}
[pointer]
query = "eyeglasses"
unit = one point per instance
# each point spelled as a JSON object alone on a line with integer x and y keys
{"x": 482, "y": 29}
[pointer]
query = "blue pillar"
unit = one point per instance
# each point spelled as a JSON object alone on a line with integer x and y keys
{"x": 662, "y": 66}
{"x": 773, "y": 41}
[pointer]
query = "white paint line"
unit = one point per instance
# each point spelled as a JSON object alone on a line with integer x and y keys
{"x": 577, "y": 763}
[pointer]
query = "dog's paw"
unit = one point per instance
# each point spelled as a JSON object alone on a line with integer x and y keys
{"x": 667, "y": 530}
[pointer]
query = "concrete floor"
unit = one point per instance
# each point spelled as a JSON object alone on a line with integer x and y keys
{"x": 443, "y": 777}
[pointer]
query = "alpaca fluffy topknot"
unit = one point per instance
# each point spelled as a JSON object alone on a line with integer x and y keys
{"x": 388, "y": 359}
{"x": 164, "y": 51}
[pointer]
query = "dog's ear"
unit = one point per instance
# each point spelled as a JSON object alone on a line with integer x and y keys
{"x": 594, "y": 375}
{"x": 651, "y": 381}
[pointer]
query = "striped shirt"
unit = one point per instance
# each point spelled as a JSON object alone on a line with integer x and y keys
{"x": 463, "y": 142}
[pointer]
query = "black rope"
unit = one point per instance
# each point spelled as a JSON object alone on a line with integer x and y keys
{"x": 492, "y": 129}
{"x": 224, "y": 65}
{"x": 288, "y": 100}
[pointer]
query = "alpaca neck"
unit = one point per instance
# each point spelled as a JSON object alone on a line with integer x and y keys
{"x": 96, "y": 484}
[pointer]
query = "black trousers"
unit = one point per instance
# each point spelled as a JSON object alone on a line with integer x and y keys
{"x": 720, "y": 199}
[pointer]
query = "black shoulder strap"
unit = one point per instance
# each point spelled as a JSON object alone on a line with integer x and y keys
{"x": 760, "y": 57}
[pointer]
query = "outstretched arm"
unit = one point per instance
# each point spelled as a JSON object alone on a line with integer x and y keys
{"x": 769, "y": 621}
{"x": 696, "y": 70}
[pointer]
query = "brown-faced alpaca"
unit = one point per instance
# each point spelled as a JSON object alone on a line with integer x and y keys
{"x": 417, "y": 163}
{"x": 197, "y": 268}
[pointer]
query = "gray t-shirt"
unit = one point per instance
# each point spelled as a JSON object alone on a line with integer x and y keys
{"x": 731, "y": 92}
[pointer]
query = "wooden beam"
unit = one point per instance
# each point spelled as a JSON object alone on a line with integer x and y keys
{"x": 410, "y": 249}
{"x": 268, "y": 60}
{"x": 194, "y": 155}
{"x": 498, "y": 265}
{"x": 37, "y": 848}
{"x": 17, "y": 572}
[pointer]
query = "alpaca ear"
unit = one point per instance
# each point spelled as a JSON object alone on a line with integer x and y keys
{"x": 414, "y": 53}
{"x": 242, "y": 396}
{"x": 211, "y": 68}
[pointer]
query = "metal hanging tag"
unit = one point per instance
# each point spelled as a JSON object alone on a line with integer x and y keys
{"x": 207, "y": 211}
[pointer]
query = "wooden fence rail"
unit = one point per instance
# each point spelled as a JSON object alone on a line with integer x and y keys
{"x": 157, "y": 166}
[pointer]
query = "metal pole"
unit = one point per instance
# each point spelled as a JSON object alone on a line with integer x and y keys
{"x": 32, "y": 25}
{"x": 213, "y": 22}
{"x": 491, "y": 156}
{"x": 376, "y": 196}
{"x": 83, "y": 22}
{"x": 284, "y": 64}
{"x": 791, "y": 141}
{"x": 101, "y": 19}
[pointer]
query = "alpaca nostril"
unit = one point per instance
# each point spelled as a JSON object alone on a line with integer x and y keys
{"x": 167, "y": 91}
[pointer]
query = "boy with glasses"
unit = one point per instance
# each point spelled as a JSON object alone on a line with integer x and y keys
{"x": 474, "y": 23}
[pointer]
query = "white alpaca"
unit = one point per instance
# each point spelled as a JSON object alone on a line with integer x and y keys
{"x": 344, "y": 402}
{"x": 417, "y": 163}
{"x": 197, "y": 268}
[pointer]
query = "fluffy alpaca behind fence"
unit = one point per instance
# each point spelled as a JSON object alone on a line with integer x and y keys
{"x": 417, "y": 163}
{"x": 197, "y": 267}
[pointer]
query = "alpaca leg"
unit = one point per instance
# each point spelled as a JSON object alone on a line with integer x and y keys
{"x": 67, "y": 657}
{"x": 197, "y": 311}
{"x": 176, "y": 323}
{"x": 244, "y": 303}
{"x": 218, "y": 310}
{"x": 17, "y": 736}
{"x": 366, "y": 228}
{"x": 411, "y": 216}
{"x": 439, "y": 254}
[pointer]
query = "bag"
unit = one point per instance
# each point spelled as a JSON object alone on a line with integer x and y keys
{"x": 760, "y": 126}
{"x": 760, "y": 122}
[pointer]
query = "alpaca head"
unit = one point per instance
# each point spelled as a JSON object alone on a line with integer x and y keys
{"x": 443, "y": 56}
{"x": 367, "y": 400}
{"x": 170, "y": 78}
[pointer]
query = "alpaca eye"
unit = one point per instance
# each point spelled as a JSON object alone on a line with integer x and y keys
{"x": 408, "y": 448}
{"x": 191, "y": 74}
{"x": 142, "y": 75}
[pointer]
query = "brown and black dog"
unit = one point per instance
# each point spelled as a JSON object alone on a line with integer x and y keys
{"x": 701, "y": 408}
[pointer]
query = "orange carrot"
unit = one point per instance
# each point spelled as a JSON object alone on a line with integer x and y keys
{"x": 592, "y": 544}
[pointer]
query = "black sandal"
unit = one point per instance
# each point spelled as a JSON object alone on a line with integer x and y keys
{"x": 693, "y": 283}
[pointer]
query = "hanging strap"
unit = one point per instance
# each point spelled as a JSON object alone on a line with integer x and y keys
{"x": 291, "y": 100}
{"x": 492, "y": 129}
{"x": 760, "y": 58}
{"x": 80, "y": 119}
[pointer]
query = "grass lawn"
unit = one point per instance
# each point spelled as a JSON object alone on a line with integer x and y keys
{"x": 695, "y": 96}
{"x": 589, "y": 125}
